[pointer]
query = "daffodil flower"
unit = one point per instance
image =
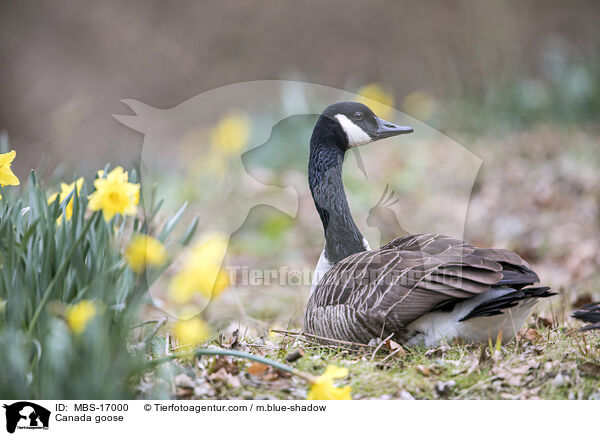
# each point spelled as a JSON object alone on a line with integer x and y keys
{"x": 65, "y": 191}
{"x": 378, "y": 99}
{"x": 324, "y": 389}
{"x": 79, "y": 315}
{"x": 419, "y": 104}
{"x": 201, "y": 272}
{"x": 190, "y": 332}
{"x": 114, "y": 194}
{"x": 231, "y": 134}
{"x": 145, "y": 250}
{"x": 7, "y": 177}
{"x": 272, "y": 334}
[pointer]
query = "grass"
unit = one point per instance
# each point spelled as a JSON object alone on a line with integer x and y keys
{"x": 543, "y": 363}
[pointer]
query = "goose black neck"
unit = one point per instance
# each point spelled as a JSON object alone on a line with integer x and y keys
{"x": 327, "y": 149}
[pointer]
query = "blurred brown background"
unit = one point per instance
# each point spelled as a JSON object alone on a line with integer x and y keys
{"x": 517, "y": 83}
{"x": 66, "y": 65}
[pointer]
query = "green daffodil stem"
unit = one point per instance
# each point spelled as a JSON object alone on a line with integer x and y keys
{"x": 61, "y": 269}
{"x": 211, "y": 352}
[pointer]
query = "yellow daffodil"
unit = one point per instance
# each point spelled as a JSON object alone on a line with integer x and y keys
{"x": 79, "y": 315}
{"x": 114, "y": 194}
{"x": 201, "y": 272}
{"x": 145, "y": 250}
{"x": 205, "y": 280}
{"x": 378, "y": 99}
{"x": 419, "y": 104}
{"x": 231, "y": 135}
{"x": 324, "y": 389}
{"x": 210, "y": 248}
{"x": 182, "y": 287}
{"x": 215, "y": 164}
{"x": 272, "y": 334}
{"x": 7, "y": 177}
{"x": 190, "y": 332}
{"x": 65, "y": 191}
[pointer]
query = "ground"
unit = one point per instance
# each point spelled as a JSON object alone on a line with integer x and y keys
{"x": 543, "y": 363}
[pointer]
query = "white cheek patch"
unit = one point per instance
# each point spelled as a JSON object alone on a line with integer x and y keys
{"x": 356, "y": 136}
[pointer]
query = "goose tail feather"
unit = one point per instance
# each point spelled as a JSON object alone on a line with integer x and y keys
{"x": 590, "y": 313}
{"x": 496, "y": 305}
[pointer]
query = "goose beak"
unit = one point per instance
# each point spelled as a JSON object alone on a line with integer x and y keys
{"x": 385, "y": 129}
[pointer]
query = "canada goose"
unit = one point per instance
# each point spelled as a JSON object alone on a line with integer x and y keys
{"x": 419, "y": 289}
{"x": 589, "y": 313}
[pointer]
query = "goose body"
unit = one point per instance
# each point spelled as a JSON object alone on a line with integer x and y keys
{"x": 420, "y": 289}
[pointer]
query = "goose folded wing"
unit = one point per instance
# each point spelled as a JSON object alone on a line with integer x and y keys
{"x": 390, "y": 287}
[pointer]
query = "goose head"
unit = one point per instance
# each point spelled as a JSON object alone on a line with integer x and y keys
{"x": 340, "y": 127}
{"x": 360, "y": 125}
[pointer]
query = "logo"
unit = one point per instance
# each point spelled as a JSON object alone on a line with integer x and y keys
{"x": 248, "y": 144}
{"x": 26, "y": 415}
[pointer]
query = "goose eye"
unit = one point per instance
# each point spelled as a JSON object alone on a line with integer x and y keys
{"x": 358, "y": 116}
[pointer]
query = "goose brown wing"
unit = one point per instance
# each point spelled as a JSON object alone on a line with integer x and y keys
{"x": 384, "y": 290}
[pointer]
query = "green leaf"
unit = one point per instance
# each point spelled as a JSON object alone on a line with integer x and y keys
{"x": 189, "y": 232}
{"x": 158, "y": 346}
{"x": 171, "y": 223}
{"x": 32, "y": 179}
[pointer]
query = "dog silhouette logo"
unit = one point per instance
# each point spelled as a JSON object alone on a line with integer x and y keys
{"x": 26, "y": 415}
{"x": 234, "y": 148}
